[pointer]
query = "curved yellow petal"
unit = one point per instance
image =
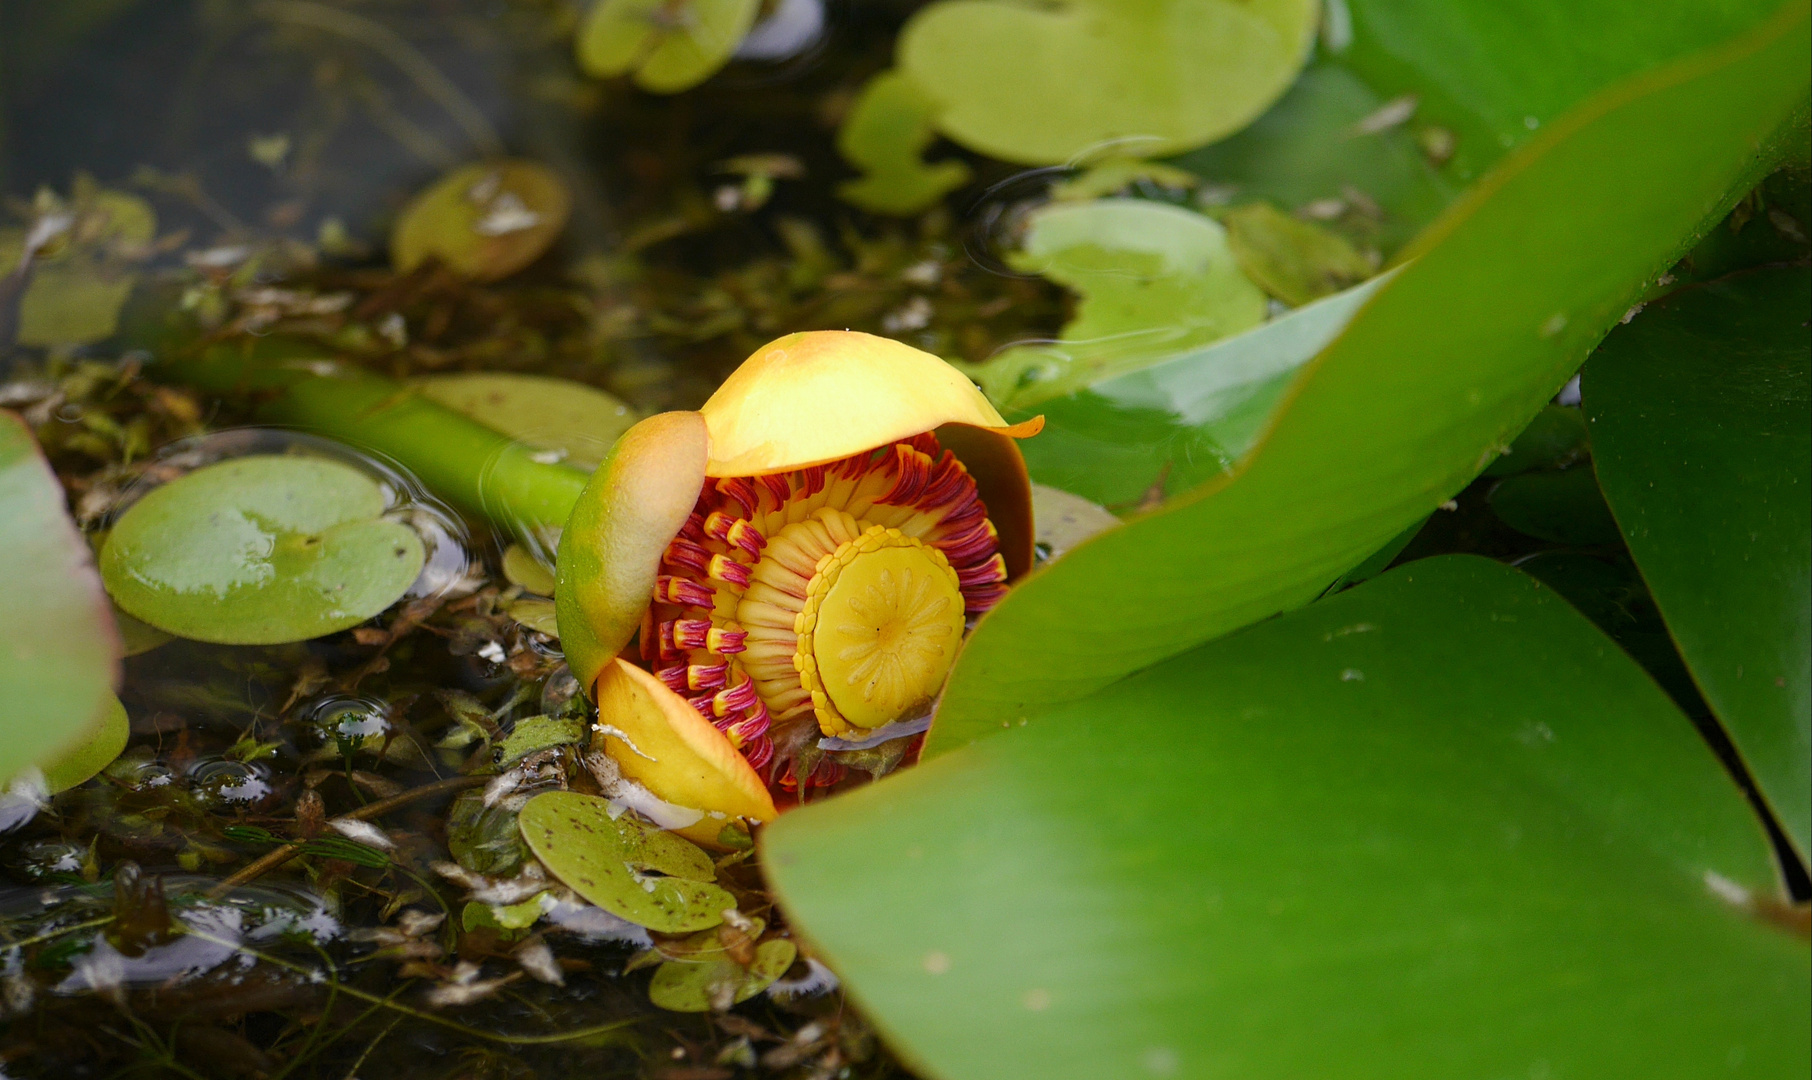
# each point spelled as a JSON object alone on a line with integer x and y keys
{"x": 663, "y": 744}
{"x": 809, "y": 398}
{"x": 610, "y": 551}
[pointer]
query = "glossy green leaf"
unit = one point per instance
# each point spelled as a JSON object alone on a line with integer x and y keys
{"x": 1153, "y": 280}
{"x": 95, "y": 752}
{"x": 59, "y": 659}
{"x": 1294, "y": 260}
{"x": 1308, "y": 147}
{"x": 1555, "y": 438}
{"x": 1334, "y": 845}
{"x": 485, "y": 220}
{"x": 1040, "y": 84}
{"x": 669, "y": 45}
{"x": 259, "y": 551}
{"x": 1450, "y": 358}
{"x": 569, "y": 421}
{"x": 1699, "y": 425}
{"x": 1563, "y": 506}
{"x": 1174, "y": 423}
{"x": 885, "y": 135}
{"x": 649, "y": 876}
{"x": 1497, "y": 71}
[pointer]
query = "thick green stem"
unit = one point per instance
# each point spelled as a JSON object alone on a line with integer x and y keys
{"x": 473, "y": 467}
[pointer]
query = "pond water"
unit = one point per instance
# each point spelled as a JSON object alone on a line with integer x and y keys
{"x": 306, "y": 862}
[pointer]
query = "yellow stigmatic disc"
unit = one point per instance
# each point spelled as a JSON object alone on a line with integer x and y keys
{"x": 880, "y": 629}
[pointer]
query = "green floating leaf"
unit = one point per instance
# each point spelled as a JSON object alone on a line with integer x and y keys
{"x": 885, "y": 135}
{"x": 1493, "y": 310}
{"x": 95, "y": 752}
{"x": 532, "y": 733}
{"x": 576, "y": 422}
{"x": 1294, "y": 260}
{"x": 1154, "y": 280}
{"x": 1333, "y": 845}
{"x": 1040, "y": 84}
{"x": 646, "y": 875}
{"x": 522, "y": 568}
{"x": 1556, "y": 438}
{"x": 486, "y": 220}
{"x": 708, "y": 978}
{"x": 81, "y": 277}
{"x": 259, "y": 551}
{"x": 1698, "y": 411}
{"x": 1564, "y": 507}
{"x": 669, "y": 45}
{"x": 1306, "y": 148}
{"x": 60, "y": 655}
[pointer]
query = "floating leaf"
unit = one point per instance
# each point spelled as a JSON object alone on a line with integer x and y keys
{"x": 260, "y": 550}
{"x": 59, "y": 658}
{"x": 484, "y": 839}
{"x": 576, "y": 422}
{"x": 486, "y": 220}
{"x": 1556, "y": 438}
{"x": 669, "y": 45}
{"x": 1154, "y": 280}
{"x": 537, "y": 614}
{"x": 712, "y": 979}
{"x": 95, "y": 752}
{"x": 1564, "y": 507}
{"x": 522, "y": 568}
{"x": 1294, "y": 260}
{"x": 1040, "y": 84}
{"x": 1698, "y": 411}
{"x": 1496, "y": 307}
{"x": 1064, "y": 520}
{"x": 618, "y": 863}
{"x": 1332, "y": 845}
{"x": 83, "y": 272}
{"x": 885, "y": 135}
{"x": 532, "y": 733}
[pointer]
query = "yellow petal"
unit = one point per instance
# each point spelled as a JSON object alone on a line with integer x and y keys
{"x": 806, "y": 399}
{"x": 610, "y": 552}
{"x": 663, "y": 744}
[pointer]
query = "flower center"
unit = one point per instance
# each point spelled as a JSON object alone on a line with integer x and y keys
{"x": 882, "y": 621}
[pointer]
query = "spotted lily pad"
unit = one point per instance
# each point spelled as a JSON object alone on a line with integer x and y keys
{"x": 668, "y": 46}
{"x": 260, "y": 550}
{"x": 569, "y": 421}
{"x": 1154, "y": 280}
{"x": 887, "y": 130}
{"x": 1040, "y": 83}
{"x": 710, "y": 978}
{"x": 1294, "y": 260}
{"x": 486, "y": 220}
{"x": 636, "y": 872}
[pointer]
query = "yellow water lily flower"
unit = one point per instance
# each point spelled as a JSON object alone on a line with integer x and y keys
{"x": 799, "y": 558}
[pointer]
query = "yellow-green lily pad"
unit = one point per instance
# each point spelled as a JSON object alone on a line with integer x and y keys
{"x": 573, "y": 422}
{"x": 669, "y": 46}
{"x": 84, "y": 268}
{"x": 95, "y": 753}
{"x": 486, "y": 220}
{"x": 260, "y": 550}
{"x": 649, "y": 876}
{"x": 709, "y": 978}
{"x": 888, "y": 128}
{"x": 1294, "y": 260}
{"x": 1039, "y": 83}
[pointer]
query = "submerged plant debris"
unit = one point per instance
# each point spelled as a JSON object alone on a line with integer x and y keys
{"x": 365, "y": 829}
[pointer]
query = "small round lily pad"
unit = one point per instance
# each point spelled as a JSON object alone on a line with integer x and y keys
{"x": 575, "y": 422}
{"x": 636, "y": 872}
{"x": 259, "y": 551}
{"x": 485, "y": 221}
{"x": 96, "y": 752}
{"x": 714, "y": 980}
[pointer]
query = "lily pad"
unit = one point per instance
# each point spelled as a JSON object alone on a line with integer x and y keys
{"x": 712, "y": 979}
{"x": 646, "y": 875}
{"x": 533, "y": 733}
{"x": 1565, "y": 507}
{"x": 669, "y": 46}
{"x": 83, "y": 272}
{"x": 486, "y": 220}
{"x": 1294, "y": 260}
{"x": 1064, "y": 520}
{"x": 259, "y": 551}
{"x": 59, "y": 657}
{"x": 570, "y": 421}
{"x": 1154, "y": 280}
{"x": 885, "y": 135}
{"x": 522, "y": 568}
{"x": 1038, "y": 84}
{"x": 96, "y": 751}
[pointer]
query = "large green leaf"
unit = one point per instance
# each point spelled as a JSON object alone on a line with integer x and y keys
{"x": 1437, "y": 826}
{"x": 1496, "y": 71}
{"x": 60, "y": 655}
{"x": 1701, "y": 440}
{"x": 1450, "y": 359}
